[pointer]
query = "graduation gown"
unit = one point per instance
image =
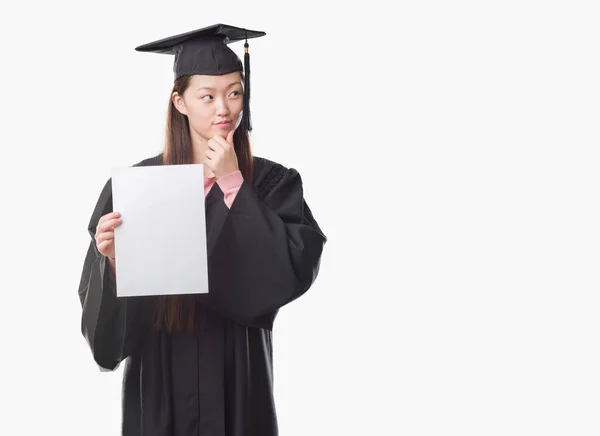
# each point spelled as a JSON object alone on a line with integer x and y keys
{"x": 263, "y": 253}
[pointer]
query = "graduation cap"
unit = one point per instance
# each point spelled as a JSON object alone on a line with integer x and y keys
{"x": 205, "y": 51}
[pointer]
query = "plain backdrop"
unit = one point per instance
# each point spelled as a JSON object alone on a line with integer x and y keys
{"x": 449, "y": 151}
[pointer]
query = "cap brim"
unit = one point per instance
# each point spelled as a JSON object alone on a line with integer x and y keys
{"x": 229, "y": 33}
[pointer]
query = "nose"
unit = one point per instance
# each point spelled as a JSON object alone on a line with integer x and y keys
{"x": 222, "y": 107}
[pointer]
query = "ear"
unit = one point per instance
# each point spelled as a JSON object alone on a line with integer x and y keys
{"x": 179, "y": 103}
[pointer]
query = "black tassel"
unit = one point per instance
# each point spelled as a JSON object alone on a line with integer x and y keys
{"x": 246, "y": 115}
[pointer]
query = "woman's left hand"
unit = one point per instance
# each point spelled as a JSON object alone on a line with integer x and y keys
{"x": 220, "y": 155}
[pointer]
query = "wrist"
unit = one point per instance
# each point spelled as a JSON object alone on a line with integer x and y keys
{"x": 228, "y": 172}
{"x": 230, "y": 181}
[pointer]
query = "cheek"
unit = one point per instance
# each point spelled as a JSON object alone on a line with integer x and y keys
{"x": 237, "y": 106}
{"x": 199, "y": 114}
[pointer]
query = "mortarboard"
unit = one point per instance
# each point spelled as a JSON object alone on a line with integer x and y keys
{"x": 205, "y": 51}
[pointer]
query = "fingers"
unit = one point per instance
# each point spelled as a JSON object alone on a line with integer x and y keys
{"x": 105, "y": 236}
{"x": 217, "y": 143}
{"x": 105, "y": 232}
{"x": 109, "y": 216}
{"x": 220, "y": 156}
{"x": 108, "y": 225}
{"x": 211, "y": 154}
{"x": 103, "y": 245}
{"x": 106, "y": 250}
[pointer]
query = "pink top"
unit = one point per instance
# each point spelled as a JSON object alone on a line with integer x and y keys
{"x": 229, "y": 184}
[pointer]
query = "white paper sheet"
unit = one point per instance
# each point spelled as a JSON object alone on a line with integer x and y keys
{"x": 160, "y": 247}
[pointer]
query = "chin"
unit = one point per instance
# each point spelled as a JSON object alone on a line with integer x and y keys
{"x": 221, "y": 131}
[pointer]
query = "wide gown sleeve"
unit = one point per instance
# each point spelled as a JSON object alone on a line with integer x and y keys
{"x": 267, "y": 252}
{"x": 112, "y": 326}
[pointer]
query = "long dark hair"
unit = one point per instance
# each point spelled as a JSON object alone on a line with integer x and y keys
{"x": 173, "y": 312}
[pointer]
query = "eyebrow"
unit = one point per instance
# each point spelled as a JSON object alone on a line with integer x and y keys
{"x": 212, "y": 89}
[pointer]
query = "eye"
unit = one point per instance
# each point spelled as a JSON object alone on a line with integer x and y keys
{"x": 236, "y": 93}
{"x": 206, "y": 97}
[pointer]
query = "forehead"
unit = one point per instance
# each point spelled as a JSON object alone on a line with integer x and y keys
{"x": 222, "y": 81}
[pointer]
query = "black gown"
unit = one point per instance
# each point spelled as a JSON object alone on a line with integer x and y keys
{"x": 263, "y": 253}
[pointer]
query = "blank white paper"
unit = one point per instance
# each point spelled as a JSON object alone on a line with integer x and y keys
{"x": 160, "y": 247}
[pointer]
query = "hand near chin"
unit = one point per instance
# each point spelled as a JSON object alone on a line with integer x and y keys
{"x": 220, "y": 155}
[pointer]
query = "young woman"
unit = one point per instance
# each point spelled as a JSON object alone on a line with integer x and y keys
{"x": 202, "y": 364}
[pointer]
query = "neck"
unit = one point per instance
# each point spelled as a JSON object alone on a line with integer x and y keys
{"x": 199, "y": 147}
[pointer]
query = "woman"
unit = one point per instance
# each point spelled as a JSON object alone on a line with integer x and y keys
{"x": 202, "y": 364}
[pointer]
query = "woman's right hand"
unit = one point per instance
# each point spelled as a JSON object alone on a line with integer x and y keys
{"x": 105, "y": 234}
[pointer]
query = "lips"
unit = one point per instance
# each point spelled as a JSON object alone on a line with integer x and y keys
{"x": 223, "y": 123}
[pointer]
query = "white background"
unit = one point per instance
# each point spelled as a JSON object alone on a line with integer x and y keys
{"x": 449, "y": 151}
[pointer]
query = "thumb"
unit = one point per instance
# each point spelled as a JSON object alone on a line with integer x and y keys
{"x": 230, "y": 137}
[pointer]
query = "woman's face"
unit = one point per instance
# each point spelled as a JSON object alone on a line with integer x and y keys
{"x": 213, "y": 104}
